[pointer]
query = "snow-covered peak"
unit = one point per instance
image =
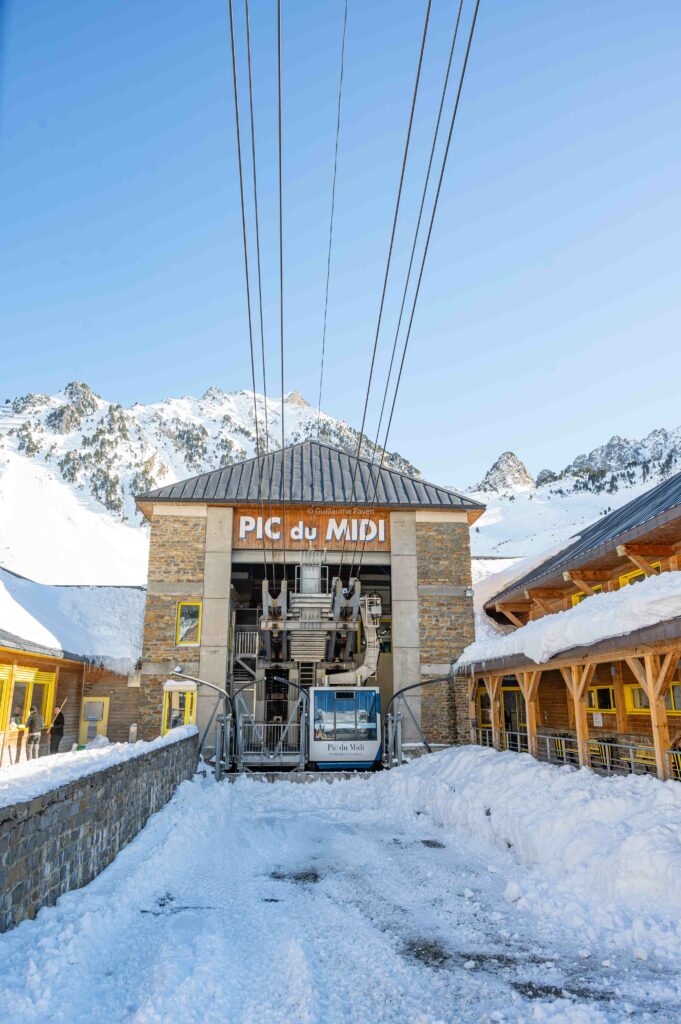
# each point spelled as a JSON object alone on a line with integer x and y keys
{"x": 507, "y": 475}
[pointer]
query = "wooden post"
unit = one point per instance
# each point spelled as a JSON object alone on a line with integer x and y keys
{"x": 529, "y": 684}
{"x": 493, "y": 686}
{"x": 618, "y": 686}
{"x": 578, "y": 679}
{"x": 472, "y": 707}
{"x": 655, "y": 675}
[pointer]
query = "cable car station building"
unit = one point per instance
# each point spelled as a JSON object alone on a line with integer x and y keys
{"x": 232, "y": 547}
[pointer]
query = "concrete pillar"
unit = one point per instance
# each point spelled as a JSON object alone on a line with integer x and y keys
{"x": 215, "y": 628}
{"x": 406, "y": 644}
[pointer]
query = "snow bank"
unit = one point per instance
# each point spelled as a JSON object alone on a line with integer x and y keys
{"x": 29, "y": 779}
{"x": 605, "y": 851}
{"x": 653, "y": 600}
{"x": 103, "y": 623}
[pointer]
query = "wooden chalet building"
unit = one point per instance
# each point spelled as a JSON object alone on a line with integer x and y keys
{"x": 97, "y": 698}
{"x": 613, "y": 702}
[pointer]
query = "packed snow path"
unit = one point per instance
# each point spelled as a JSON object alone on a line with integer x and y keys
{"x": 316, "y": 904}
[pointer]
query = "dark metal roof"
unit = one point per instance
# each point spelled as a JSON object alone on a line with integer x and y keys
{"x": 17, "y": 643}
{"x": 666, "y": 632}
{"x": 313, "y": 473}
{"x": 656, "y": 507}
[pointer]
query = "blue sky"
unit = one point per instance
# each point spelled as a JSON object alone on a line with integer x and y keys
{"x": 549, "y": 314}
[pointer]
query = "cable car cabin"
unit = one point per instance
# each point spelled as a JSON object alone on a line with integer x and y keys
{"x": 345, "y": 728}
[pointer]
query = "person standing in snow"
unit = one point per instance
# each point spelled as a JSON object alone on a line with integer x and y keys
{"x": 56, "y": 732}
{"x": 35, "y": 723}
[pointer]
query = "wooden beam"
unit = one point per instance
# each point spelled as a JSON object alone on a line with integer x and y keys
{"x": 643, "y": 564}
{"x": 510, "y": 615}
{"x": 582, "y": 676}
{"x": 544, "y": 593}
{"x": 473, "y": 707}
{"x": 593, "y": 575}
{"x": 647, "y": 550}
{"x": 585, "y": 587}
{"x": 529, "y": 684}
{"x": 658, "y": 677}
{"x": 493, "y": 685}
{"x": 638, "y": 671}
{"x": 618, "y": 684}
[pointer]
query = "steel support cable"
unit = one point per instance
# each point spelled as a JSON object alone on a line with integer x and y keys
{"x": 387, "y": 268}
{"x": 258, "y": 264}
{"x": 410, "y": 267}
{"x": 245, "y": 244}
{"x": 281, "y": 296}
{"x": 333, "y": 207}
{"x": 432, "y": 221}
{"x": 257, "y": 221}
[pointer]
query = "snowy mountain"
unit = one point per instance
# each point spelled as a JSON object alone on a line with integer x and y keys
{"x": 71, "y": 463}
{"x": 508, "y": 474}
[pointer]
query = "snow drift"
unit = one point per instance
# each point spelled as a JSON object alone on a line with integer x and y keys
{"x": 655, "y": 599}
{"x": 605, "y": 851}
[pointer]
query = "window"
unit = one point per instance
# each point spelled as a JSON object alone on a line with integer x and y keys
{"x": 637, "y": 576}
{"x": 31, "y": 686}
{"x": 484, "y": 709}
{"x": 188, "y": 626}
{"x": 345, "y": 715}
{"x": 578, "y": 598}
{"x": 179, "y": 708}
{"x": 638, "y": 704}
{"x": 601, "y": 698}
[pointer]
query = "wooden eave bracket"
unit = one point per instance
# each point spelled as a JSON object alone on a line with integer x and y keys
{"x": 641, "y": 554}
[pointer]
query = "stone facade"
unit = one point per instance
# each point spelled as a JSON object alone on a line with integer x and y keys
{"x": 446, "y": 623}
{"x": 61, "y": 840}
{"x": 189, "y": 560}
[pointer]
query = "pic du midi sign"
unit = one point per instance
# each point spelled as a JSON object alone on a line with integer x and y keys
{"x": 314, "y": 527}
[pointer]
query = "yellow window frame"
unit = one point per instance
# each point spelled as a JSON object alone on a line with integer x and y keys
{"x": 581, "y": 596}
{"x": 632, "y": 710}
{"x": 30, "y": 677}
{"x": 180, "y": 606}
{"x": 636, "y": 574}
{"x": 5, "y": 687}
{"x": 188, "y": 713}
{"x": 602, "y": 711}
{"x": 482, "y": 692}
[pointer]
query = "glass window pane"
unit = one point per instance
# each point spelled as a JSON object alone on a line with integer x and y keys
{"x": 19, "y": 701}
{"x": 604, "y": 698}
{"x": 639, "y": 699}
{"x": 324, "y": 714}
{"x": 93, "y": 711}
{"x": 39, "y": 697}
{"x": 188, "y": 624}
{"x": 675, "y": 690}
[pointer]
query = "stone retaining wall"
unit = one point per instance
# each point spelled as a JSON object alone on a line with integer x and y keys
{"x": 63, "y": 839}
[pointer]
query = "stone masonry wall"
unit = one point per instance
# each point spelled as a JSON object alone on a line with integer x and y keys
{"x": 61, "y": 840}
{"x": 176, "y": 573}
{"x": 446, "y": 624}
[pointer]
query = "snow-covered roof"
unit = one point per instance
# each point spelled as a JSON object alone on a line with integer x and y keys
{"x": 102, "y": 624}
{"x": 313, "y": 472}
{"x": 654, "y": 600}
{"x": 653, "y": 508}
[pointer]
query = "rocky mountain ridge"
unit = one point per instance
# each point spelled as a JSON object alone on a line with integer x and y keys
{"x": 620, "y": 463}
{"x": 109, "y": 453}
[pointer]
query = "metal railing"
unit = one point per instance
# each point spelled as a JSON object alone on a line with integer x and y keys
{"x": 484, "y": 737}
{"x": 270, "y": 737}
{"x": 246, "y": 642}
{"x": 514, "y": 741}
{"x": 557, "y": 749}
{"x": 674, "y": 761}
{"x": 622, "y": 758}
